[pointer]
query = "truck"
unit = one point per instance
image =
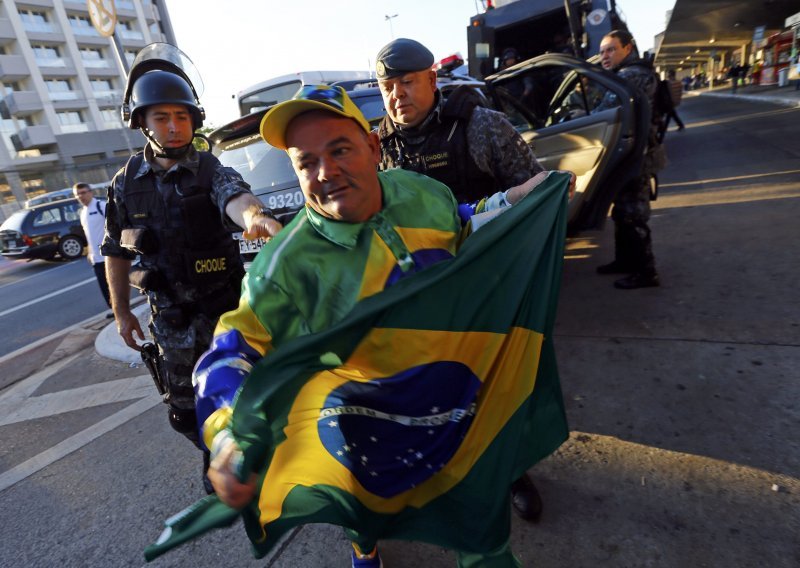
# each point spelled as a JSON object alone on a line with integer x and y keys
{"x": 534, "y": 27}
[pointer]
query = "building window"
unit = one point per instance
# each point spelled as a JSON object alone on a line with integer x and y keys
{"x": 81, "y": 25}
{"x": 72, "y": 121}
{"x": 125, "y": 4}
{"x": 93, "y": 58}
{"x": 60, "y": 90}
{"x": 35, "y": 21}
{"x": 111, "y": 118}
{"x": 102, "y": 88}
{"x": 127, "y": 31}
{"x": 129, "y": 57}
{"x": 47, "y": 55}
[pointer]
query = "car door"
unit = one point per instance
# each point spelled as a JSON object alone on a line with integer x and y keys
{"x": 578, "y": 117}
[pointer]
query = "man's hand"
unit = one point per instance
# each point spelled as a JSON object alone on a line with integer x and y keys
{"x": 246, "y": 211}
{"x": 229, "y": 489}
{"x": 516, "y": 193}
{"x": 127, "y": 325}
{"x": 261, "y": 225}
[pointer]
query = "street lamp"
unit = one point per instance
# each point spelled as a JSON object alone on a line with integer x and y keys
{"x": 389, "y": 19}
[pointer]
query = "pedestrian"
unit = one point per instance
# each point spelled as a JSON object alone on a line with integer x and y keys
{"x": 473, "y": 150}
{"x": 733, "y": 74}
{"x": 357, "y": 226}
{"x": 175, "y": 209}
{"x": 633, "y": 252}
{"x": 93, "y": 219}
{"x": 676, "y": 96}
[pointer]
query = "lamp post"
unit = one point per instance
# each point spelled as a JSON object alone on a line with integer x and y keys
{"x": 389, "y": 19}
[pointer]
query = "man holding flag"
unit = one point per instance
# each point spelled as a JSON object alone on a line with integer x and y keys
{"x": 395, "y": 407}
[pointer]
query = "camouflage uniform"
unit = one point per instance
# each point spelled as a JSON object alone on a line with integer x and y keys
{"x": 499, "y": 157}
{"x": 632, "y": 243}
{"x": 183, "y": 316}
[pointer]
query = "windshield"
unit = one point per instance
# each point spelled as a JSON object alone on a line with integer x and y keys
{"x": 268, "y": 97}
{"x": 261, "y": 165}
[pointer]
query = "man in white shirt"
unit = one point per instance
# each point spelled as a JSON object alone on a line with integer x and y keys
{"x": 93, "y": 221}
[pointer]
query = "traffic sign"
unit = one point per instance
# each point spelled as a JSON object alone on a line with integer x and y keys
{"x": 103, "y": 14}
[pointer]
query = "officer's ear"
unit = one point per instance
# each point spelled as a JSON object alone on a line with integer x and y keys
{"x": 375, "y": 146}
{"x": 432, "y": 79}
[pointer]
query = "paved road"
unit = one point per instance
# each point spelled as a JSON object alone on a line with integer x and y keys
{"x": 683, "y": 401}
{"x": 38, "y": 298}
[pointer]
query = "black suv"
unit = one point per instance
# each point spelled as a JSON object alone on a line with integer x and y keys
{"x": 44, "y": 231}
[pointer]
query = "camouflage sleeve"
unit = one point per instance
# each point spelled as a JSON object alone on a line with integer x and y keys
{"x": 227, "y": 184}
{"x": 642, "y": 79}
{"x": 499, "y": 150}
{"x": 115, "y": 211}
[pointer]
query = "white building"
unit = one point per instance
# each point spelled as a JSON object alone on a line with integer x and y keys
{"x": 61, "y": 87}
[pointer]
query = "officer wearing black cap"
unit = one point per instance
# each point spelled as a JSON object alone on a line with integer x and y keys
{"x": 475, "y": 151}
{"x": 175, "y": 208}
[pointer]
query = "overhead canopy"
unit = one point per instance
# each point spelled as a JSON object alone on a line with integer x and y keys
{"x": 700, "y": 28}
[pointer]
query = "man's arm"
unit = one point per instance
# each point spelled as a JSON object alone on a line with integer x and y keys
{"x": 498, "y": 149}
{"x": 117, "y": 270}
{"x": 245, "y": 209}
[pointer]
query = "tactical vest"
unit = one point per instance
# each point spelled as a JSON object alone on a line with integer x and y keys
{"x": 655, "y": 158}
{"x": 186, "y": 242}
{"x": 442, "y": 151}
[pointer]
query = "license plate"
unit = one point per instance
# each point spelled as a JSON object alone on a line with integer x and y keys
{"x": 249, "y": 247}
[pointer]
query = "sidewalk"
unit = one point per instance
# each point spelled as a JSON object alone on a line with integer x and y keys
{"x": 787, "y": 96}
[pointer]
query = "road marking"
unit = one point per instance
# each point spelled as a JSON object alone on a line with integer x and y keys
{"x": 51, "y": 404}
{"x": 43, "y": 272}
{"x": 47, "y": 296}
{"x": 76, "y": 442}
{"x": 720, "y": 180}
{"x": 18, "y": 404}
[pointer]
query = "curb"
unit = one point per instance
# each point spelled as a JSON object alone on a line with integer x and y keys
{"x": 790, "y": 102}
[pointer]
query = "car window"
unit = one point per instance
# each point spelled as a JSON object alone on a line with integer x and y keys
{"x": 269, "y": 97}
{"x": 545, "y": 95}
{"x": 579, "y": 96}
{"x": 72, "y": 212}
{"x": 261, "y": 165}
{"x": 47, "y": 217}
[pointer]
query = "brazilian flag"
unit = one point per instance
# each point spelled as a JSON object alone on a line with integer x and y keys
{"x": 410, "y": 418}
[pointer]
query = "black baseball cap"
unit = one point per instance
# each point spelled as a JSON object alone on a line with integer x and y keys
{"x": 402, "y": 56}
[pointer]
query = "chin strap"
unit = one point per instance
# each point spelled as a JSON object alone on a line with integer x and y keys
{"x": 169, "y": 153}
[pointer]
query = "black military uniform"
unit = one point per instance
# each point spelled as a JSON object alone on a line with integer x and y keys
{"x": 473, "y": 150}
{"x": 174, "y": 221}
{"x": 633, "y": 248}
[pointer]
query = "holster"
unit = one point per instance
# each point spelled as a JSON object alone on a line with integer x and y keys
{"x": 146, "y": 279}
{"x": 152, "y": 360}
{"x": 139, "y": 240}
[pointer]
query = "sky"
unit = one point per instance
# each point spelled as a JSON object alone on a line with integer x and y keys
{"x": 238, "y": 43}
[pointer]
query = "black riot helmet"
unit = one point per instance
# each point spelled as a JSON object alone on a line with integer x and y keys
{"x": 162, "y": 87}
{"x": 162, "y": 74}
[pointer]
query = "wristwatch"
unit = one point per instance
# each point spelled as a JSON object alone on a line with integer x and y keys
{"x": 267, "y": 212}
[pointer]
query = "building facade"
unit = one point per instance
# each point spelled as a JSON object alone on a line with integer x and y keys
{"x": 61, "y": 88}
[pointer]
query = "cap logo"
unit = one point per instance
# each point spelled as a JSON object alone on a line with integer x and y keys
{"x": 329, "y": 96}
{"x": 381, "y": 69}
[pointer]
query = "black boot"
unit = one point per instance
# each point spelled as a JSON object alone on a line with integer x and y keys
{"x": 638, "y": 280}
{"x": 525, "y": 499}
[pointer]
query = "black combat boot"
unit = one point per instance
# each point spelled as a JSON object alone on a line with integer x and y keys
{"x": 638, "y": 280}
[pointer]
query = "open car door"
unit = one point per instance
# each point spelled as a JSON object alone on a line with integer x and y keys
{"x": 579, "y": 117}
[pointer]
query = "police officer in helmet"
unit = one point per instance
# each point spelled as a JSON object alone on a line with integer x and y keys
{"x": 175, "y": 208}
{"x": 473, "y": 150}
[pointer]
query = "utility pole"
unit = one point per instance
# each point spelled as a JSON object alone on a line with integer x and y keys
{"x": 389, "y": 19}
